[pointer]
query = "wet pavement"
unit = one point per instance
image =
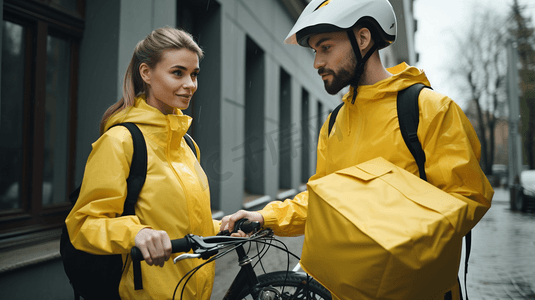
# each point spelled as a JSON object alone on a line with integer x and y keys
{"x": 501, "y": 266}
{"x": 502, "y": 260}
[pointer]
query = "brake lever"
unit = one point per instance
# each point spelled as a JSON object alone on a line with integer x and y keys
{"x": 200, "y": 243}
{"x": 185, "y": 256}
{"x": 262, "y": 233}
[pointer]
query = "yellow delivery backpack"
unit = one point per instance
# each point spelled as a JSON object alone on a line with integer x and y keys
{"x": 376, "y": 231}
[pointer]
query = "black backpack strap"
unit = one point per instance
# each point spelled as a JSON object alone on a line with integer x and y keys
{"x": 190, "y": 143}
{"x": 134, "y": 183}
{"x": 332, "y": 119}
{"x": 409, "y": 117}
{"x": 138, "y": 168}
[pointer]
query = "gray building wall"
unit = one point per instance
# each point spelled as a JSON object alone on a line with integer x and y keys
{"x": 266, "y": 24}
{"x": 98, "y": 74}
{"x": 113, "y": 28}
{"x": 403, "y": 49}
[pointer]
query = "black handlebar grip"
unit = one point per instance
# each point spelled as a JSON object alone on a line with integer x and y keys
{"x": 181, "y": 245}
{"x": 178, "y": 245}
{"x": 246, "y": 226}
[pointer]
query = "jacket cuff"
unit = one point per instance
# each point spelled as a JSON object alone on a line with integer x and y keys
{"x": 135, "y": 231}
{"x": 270, "y": 217}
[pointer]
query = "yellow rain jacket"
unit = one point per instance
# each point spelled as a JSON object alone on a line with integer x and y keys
{"x": 175, "y": 198}
{"x": 369, "y": 128}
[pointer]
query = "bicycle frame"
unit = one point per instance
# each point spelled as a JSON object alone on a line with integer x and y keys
{"x": 245, "y": 277}
{"x": 247, "y": 280}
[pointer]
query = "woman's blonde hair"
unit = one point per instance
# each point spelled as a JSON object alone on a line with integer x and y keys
{"x": 149, "y": 51}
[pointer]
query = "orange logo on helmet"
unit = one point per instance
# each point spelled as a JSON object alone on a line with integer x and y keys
{"x": 323, "y": 4}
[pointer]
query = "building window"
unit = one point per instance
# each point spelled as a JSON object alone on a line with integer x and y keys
{"x": 254, "y": 119}
{"x": 320, "y": 120}
{"x": 286, "y": 151}
{"x": 56, "y": 122}
{"x": 11, "y": 115}
{"x": 306, "y": 148}
{"x": 40, "y": 43}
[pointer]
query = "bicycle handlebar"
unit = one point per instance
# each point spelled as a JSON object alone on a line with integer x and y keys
{"x": 244, "y": 225}
{"x": 207, "y": 245}
{"x": 178, "y": 245}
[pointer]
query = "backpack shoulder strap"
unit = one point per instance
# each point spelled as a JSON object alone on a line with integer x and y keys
{"x": 138, "y": 168}
{"x": 191, "y": 145}
{"x": 135, "y": 182}
{"x": 332, "y": 119}
{"x": 409, "y": 118}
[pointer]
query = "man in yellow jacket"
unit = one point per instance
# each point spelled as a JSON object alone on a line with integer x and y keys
{"x": 346, "y": 36}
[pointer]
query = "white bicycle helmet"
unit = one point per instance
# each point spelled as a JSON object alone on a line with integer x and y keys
{"x": 321, "y": 16}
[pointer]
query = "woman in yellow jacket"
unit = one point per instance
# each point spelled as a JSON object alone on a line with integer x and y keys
{"x": 345, "y": 36}
{"x": 175, "y": 199}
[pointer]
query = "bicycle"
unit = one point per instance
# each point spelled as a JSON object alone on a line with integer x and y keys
{"x": 279, "y": 285}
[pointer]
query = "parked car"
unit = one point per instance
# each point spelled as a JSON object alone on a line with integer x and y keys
{"x": 524, "y": 192}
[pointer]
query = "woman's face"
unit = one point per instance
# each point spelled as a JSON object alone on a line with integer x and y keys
{"x": 173, "y": 81}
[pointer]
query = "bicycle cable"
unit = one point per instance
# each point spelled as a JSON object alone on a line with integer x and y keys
{"x": 285, "y": 249}
{"x": 261, "y": 239}
{"x": 261, "y": 253}
{"x": 213, "y": 258}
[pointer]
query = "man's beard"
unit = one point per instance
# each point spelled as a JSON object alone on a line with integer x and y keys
{"x": 341, "y": 78}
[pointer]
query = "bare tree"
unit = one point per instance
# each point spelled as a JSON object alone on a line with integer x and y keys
{"x": 482, "y": 69}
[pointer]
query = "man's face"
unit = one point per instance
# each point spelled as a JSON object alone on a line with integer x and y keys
{"x": 334, "y": 60}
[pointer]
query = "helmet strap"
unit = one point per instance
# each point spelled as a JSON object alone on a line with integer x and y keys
{"x": 361, "y": 61}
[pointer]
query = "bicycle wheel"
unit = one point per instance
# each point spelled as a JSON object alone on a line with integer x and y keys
{"x": 291, "y": 285}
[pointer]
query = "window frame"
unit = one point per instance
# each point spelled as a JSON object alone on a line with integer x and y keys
{"x": 40, "y": 21}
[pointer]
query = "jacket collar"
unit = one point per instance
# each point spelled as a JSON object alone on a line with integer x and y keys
{"x": 402, "y": 77}
{"x": 154, "y": 124}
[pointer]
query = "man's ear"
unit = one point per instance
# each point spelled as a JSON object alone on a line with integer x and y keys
{"x": 364, "y": 38}
{"x": 145, "y": 73}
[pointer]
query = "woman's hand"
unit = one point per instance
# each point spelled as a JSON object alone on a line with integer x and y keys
{"x": 155, "y": 245}
{"x": 227, "y": 223}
